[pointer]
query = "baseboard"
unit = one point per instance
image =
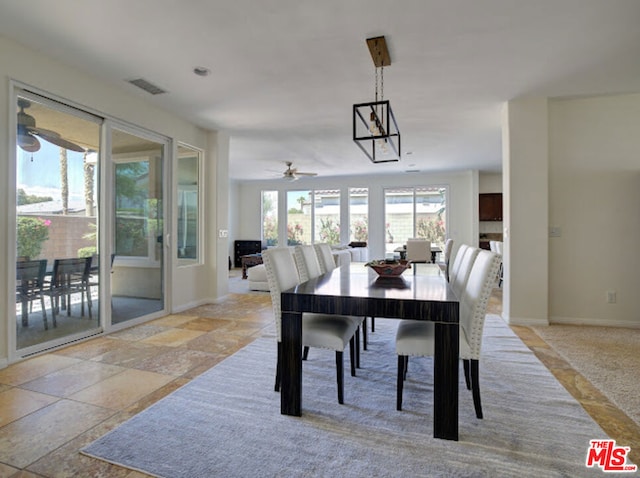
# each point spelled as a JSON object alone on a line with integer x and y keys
{"x": 594, "y": 322}
{"x": 526, "y": 321}
{"x": 191, "y": 305}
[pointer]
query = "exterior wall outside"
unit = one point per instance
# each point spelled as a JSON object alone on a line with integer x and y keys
{"x": 65, "y": 236}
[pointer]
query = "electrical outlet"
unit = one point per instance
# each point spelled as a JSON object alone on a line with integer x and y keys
{"x": 222, "y": 233}
{"x": 611, "y": 297}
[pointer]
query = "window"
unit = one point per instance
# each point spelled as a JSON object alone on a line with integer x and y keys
{"x": 188, "y": 216}
{"x": 270, "y": 218}
{"x": 326, "y": 216}
{"x": 414, "y": 212}
{"x": 299, "y": 217}
{"x": 358, "y": 214}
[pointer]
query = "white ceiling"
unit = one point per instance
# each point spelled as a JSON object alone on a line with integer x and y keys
{"x": 285, "y": 73}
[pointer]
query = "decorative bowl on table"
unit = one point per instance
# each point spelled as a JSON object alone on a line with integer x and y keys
{"x": 389, "y": 268}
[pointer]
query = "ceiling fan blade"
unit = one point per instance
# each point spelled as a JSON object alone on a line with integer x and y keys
{"x": 299, "y": 173}
{"x": 54, "y": 138}
{"x": 28, "y": 143}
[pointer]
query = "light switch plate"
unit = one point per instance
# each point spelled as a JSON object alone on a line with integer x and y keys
{"x": 555, "y": 231}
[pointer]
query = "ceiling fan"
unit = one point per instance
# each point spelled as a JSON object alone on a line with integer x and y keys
{"x": 28, "y": 132}
{"x": 292, "y": 174}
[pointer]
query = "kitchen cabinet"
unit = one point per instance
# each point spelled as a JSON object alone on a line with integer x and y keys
{"x": 490, "y": 205}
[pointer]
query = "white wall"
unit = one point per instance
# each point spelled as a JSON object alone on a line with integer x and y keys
{"x": 594, "y": 198}
{"x": 32, "y": 69}
{"x": 525, "y": 211}
{"x": 463, "y": 202}
{"x": 490, "y": 183}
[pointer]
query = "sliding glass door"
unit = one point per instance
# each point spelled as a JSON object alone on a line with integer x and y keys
{"x": 138, "y": 252}
{"x": 90, "y": 224}
{"x": 58, "y": 278}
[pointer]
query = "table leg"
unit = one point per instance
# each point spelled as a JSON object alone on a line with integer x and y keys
{"x": 445, "y": 381}
{"x": 291, "y": 364}
{"x": 25, "y": 313}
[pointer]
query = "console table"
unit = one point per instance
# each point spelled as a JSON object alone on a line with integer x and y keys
{"x": 249, "y": 260}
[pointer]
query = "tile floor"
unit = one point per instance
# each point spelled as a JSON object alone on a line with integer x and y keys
{"x": 54, "y": 404}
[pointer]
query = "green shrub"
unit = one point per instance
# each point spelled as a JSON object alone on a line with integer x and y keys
{"x": 32, "y": 232}
{"x": 87, "y": 251}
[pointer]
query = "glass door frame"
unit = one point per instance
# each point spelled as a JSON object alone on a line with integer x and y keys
{"x": 63, "y": 106}
{"x": 108, "y": 217}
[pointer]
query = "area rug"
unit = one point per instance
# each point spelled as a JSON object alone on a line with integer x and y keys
{"x": 606, "y": 356}
{"x": 227, "y": 422}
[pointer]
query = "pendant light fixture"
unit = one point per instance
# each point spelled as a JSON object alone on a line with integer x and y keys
{"x": 375, "y": 129}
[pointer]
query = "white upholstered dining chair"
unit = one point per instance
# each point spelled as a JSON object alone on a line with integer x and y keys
{"x": 418, "y": 252}
{"x": 327, "y": 264}
{"x": 309, "y": 268}
{"x": 458, "y": 281}
{"x": 416, "y": 338}
{"x": 457, "y": 260}
{"x": 325, "y": 257}
{"x": 443, "y": 265}
{"x": 331, "y": 332}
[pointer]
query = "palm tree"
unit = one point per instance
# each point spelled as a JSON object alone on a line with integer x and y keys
{"x": 64, "y": 181}
{"x": 89, "y": 168}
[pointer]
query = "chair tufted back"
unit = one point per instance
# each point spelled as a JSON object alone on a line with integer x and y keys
{"x": 282, "y": 274}
{"x": 419, "y": 250}
{"x": 474, "y": 300}
{"x": 448, "y": 248}
{"x": 307, "y": 261}
{"x": 459, "y": 281}
{"x": 325, "y": 257}
{"x": 453, "y": 270}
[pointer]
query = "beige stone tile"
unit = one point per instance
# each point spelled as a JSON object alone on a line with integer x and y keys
{"x": 176, "y": 362}
{"x": 204, "y": 324}
{"x": 132, "y": 354}
{"x": 173, "y": 337}
{"x": 215, "y": 343}
{"x": 6, "y": 471}
{"x": 156, "y": 395}
{"x": 67, "y": 381}
{"x": 123, "y": 389}
{"x": 212, "y": 361}
{"x": 139, "y": 332}
{"x": 92, "y": 348}
{"x": 16, "y": 403}
{"x": 67, "y": 461}
{"x": 30, "y": 369}
{"x": 173, "y": 320}
{"x": 30, "y": 438}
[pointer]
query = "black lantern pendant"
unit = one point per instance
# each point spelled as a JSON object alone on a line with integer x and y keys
{"x": 375, "y": 129}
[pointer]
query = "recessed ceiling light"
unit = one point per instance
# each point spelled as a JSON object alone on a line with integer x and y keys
{"x": 202, "y": 71}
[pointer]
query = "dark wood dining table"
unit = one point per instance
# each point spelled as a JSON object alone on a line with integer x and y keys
{"x": 349, "y": 291}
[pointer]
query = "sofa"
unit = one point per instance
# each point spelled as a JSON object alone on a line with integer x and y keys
{"x": 257, "y": 277}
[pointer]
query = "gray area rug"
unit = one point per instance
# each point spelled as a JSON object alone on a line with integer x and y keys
{"x": 227, "y": 423}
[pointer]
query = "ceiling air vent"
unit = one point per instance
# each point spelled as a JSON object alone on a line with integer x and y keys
{"x": 146, "y": 86}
